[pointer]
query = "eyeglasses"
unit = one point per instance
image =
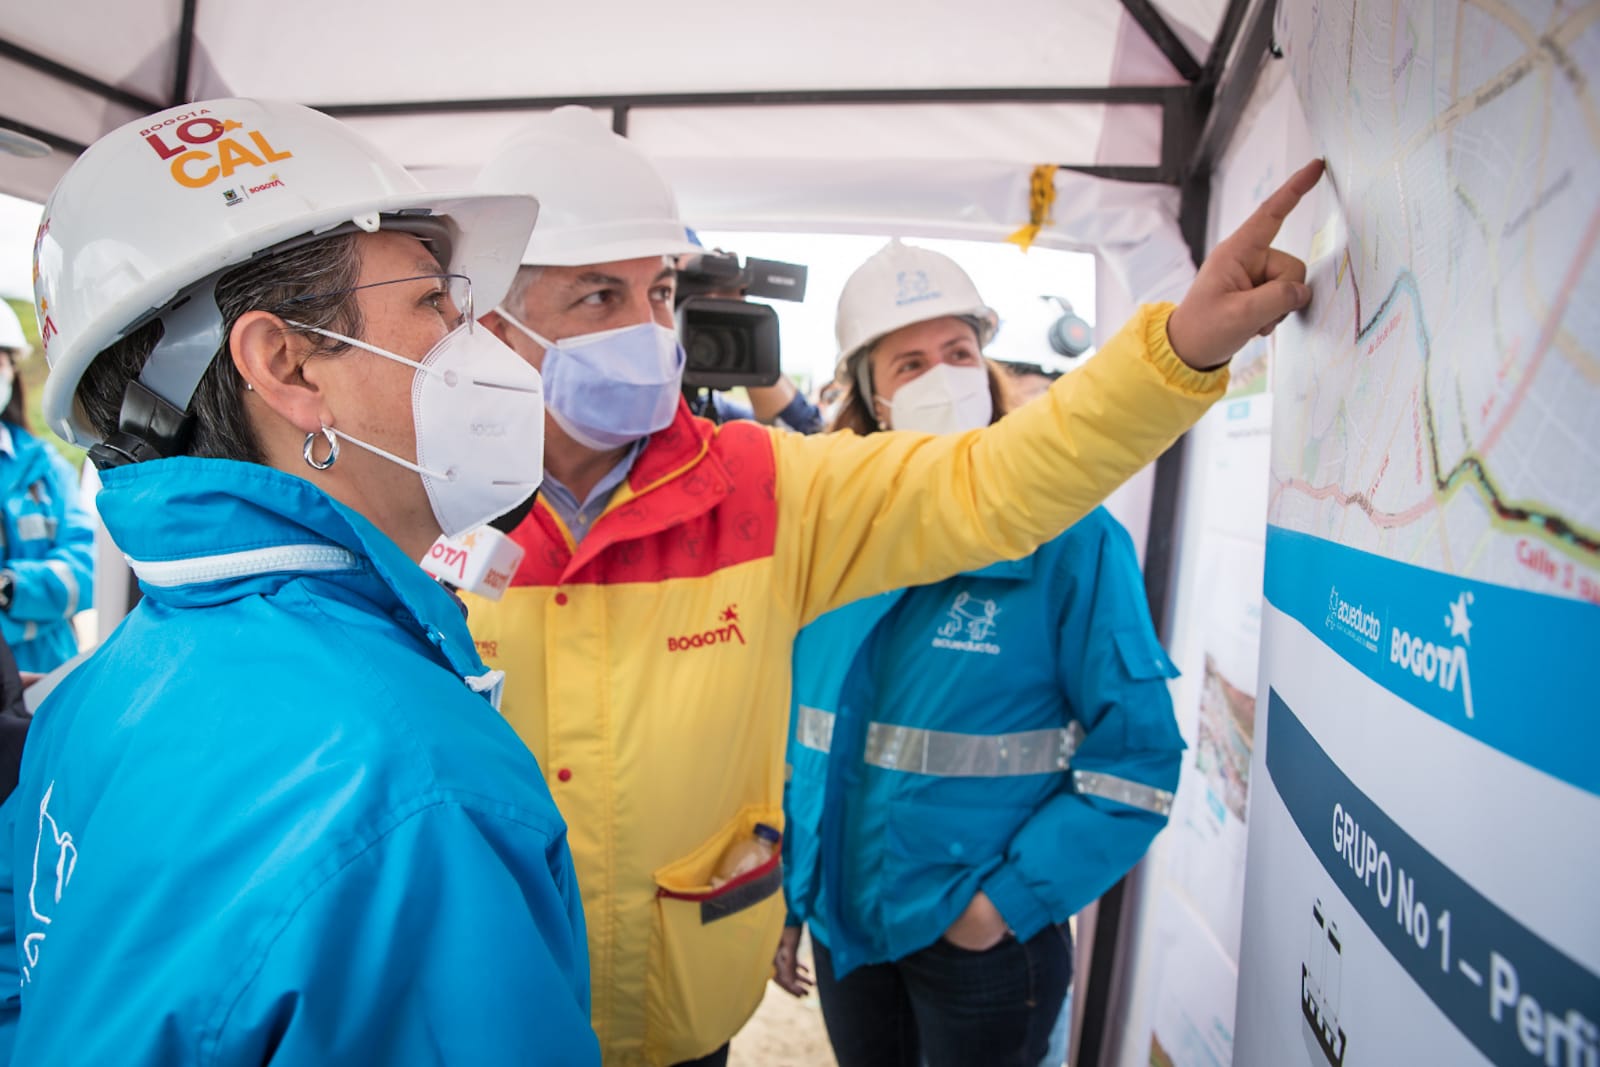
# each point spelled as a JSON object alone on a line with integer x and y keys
{"x": 457, "y": 286}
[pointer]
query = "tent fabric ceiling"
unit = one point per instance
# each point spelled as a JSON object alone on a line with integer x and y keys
{"x": 934, "y": 164}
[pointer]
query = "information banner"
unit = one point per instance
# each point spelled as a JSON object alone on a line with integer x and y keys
{"x": 1424, "y": 817}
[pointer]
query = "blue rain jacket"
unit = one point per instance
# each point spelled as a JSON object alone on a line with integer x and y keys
{"x": 271, "y": 821}
{"x": 882, "y": 859}
{"x": 47, "y": 543}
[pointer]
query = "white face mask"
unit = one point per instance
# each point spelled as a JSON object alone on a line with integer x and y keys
{"x": 8, "y": 378}
{"x": 611, "y": 388}
{"x": 944, "y": 399}
{"x": 478, "y": 410}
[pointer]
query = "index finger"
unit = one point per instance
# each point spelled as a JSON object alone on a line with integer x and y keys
{"x": 1263, "y": 224}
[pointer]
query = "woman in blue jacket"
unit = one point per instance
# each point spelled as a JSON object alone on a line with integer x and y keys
{"x": 46, "y": 537}
{"x": 973, "y": 761}
{"x": 276, "y": 817}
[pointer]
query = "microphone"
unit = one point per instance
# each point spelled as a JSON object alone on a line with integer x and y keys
{"x": 479, "y": 561}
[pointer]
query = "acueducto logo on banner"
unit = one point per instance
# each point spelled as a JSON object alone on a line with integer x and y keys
{"x": 1354, "y": 621}
{"x": 202, "y": 148}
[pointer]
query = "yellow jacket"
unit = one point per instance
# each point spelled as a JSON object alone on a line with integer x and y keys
{"x": 649, "y": 669}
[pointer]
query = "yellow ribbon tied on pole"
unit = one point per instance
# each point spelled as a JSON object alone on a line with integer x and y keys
{"x": 1041, "y": 198}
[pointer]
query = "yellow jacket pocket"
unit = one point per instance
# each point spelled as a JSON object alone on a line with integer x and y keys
{"x": 711, "y": 948}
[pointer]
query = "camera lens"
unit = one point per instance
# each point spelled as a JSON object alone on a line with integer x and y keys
{"x": 714, "y": 349}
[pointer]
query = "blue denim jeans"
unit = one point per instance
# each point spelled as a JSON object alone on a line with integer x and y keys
{"x": 946, "y": 1007}
{"x": 718, "y": 1058}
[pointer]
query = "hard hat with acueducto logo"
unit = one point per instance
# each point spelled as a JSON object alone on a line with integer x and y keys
{"x": 146, "y": 221}
{"x": 900, "y": 285}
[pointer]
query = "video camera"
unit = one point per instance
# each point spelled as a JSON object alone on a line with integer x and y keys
{"x": 727, "y": 341}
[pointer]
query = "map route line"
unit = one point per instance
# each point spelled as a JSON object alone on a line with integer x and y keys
{"x": 1552, "y": 323}
{"x": 1549, "y": 49}
{"x": 1470, "y": 468}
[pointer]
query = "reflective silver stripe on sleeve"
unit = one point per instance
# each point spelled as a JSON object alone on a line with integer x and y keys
{"x": 1123, "y": 791}
{"x": 69, "y": 580}
{"x": 949, "y": 755}
{"x": 815, "y": 728}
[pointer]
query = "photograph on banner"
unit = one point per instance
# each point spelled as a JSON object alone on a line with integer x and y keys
{"x": 1433, "y": 555}
{"x": 1207, "y": 835}
{"x": 1192, "y": 1013}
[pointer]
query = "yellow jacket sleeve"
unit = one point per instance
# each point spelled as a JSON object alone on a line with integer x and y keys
{"x": 863, "y": 515}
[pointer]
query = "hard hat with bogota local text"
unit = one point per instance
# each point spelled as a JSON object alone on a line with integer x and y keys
{"x": 902, "y": 284}
{"x": 145, "y": 221}
{"x": 600, "y": 199}
{"x": 11, "y": 335}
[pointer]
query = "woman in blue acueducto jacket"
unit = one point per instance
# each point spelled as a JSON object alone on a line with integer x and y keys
{"x": 46, "y": 537}
{"x": 975, "y": 760}
{"x": 276, "y": 818}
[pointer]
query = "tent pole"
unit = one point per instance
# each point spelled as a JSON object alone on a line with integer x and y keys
{"x": 1148, "y": 95}
{"x": 1155, "y": 27}
{"x": 76, "y": 78}
{"x": 1234, "y": 89}
{"x": 1222, "y": 44}
{"x": 180, "y": 74}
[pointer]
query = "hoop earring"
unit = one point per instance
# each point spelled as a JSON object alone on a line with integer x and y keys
{"x": 333, "y": 450}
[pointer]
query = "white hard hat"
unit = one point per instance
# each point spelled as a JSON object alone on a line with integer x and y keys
{"x": 172, "y": 200}
{"x": 11, "y": 335}
{"x": 600, "y": 199}
{"x": 902, "y": 284}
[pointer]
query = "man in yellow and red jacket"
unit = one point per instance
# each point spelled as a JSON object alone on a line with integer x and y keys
{"x": 669, "y": 564}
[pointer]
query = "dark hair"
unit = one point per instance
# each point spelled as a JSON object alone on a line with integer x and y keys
{"x": 323, "y": 270}
{"x": 855, "y": 411}
{"x": 16, "y": 409}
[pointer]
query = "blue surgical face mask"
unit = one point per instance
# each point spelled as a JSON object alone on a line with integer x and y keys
{"x": 610, "y": 389}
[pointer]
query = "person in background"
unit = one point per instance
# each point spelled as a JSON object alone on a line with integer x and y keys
{"x": 779, "y": 404}
{"x": 647, "y": 636}
{"x": 15, "y": 718}
{"x": 275, "y": 817}
{"x": 973, "y": 760}
{"x": 830, "y": 400}
{"x": 46, "y": 536}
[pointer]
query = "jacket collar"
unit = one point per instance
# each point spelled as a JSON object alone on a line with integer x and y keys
{"x": 675, "y": 479}
{"x": 1011, "y": 570}
{"x": 206, "y": 531}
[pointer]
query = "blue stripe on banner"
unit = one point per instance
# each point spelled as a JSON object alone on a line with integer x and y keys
{"x": 1515, "y": 996}
{"x": 1511, "y": 669}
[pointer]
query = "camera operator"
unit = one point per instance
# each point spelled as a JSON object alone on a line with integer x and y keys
{"x": 718, "y": 276}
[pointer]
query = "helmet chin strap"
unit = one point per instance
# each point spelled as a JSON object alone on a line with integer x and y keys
{"x": 863, "y": 380}
{"x": 154, "y": 421}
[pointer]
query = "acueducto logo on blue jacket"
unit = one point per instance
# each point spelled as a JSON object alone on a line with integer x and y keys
{"x": 968, "y": 625}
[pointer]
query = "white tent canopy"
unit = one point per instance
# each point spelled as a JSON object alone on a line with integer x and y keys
{"x": 914, "y": 118}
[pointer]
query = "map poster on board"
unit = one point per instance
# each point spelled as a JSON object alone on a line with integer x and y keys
{"x": 1424, "y": 818}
